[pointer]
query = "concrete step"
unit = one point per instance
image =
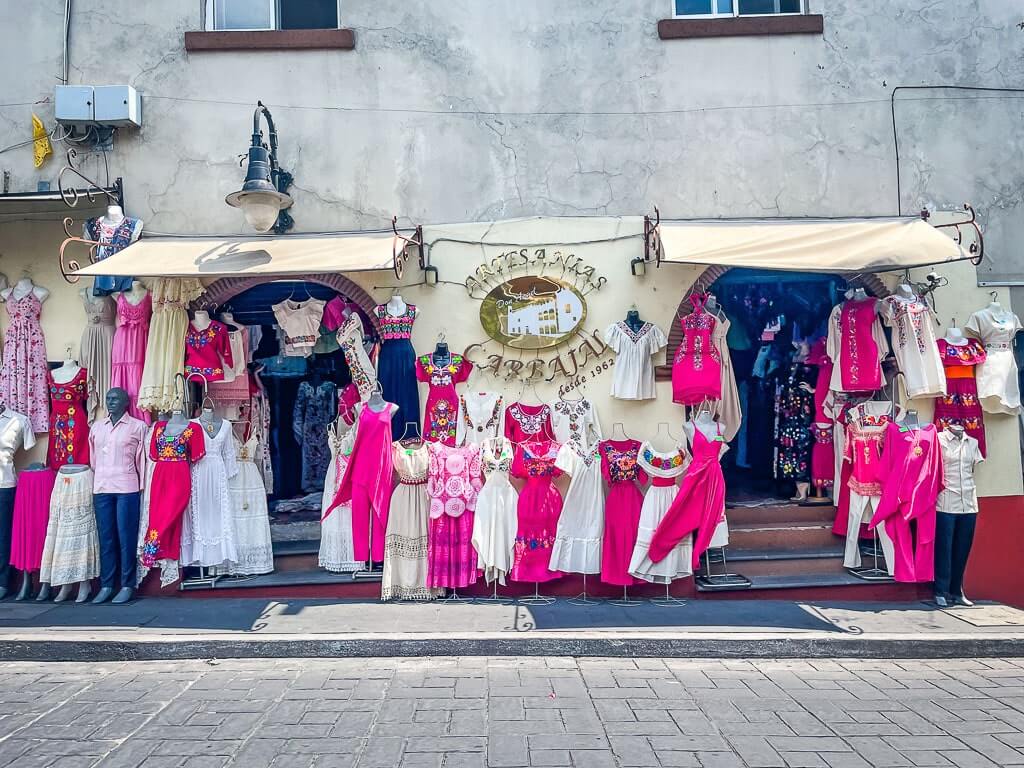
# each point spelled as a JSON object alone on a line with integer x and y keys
{"x": 781, "y": 535}
{"x": 301, "y": 555}
{"x": 780, "y": 514}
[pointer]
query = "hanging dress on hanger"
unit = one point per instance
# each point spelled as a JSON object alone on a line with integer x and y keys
{"x": 208, "y": 534}
{"x": 95, "y": 349}
{"x": 300, "y": 321}
{"x": 915, "y": 346}
{"x": 961, "y": 404}
{"x": 253, "y": 544}
{"x": 577, "y": 547}
{"x": 697, "y": 367}
{"x": 537, "y": 513}
{"x": 405, "y": 545}
{"x": 441, "y": 417}
{"x": 633, "y": 377}
{"x": 494, "y": 520}
{"x": 727, "y": 409}
{"x": 857, "y": 346}
{"x": 69, "y": 427}
{"x": 664, "y": 469}
{"x": 575, "y": 421}
{"x": 396, "y": 368}
{"x": 528, "y": 422}
{"x": 128, "y": 357}
{"x": 998, "y": 385}
{"x": 350, "y": 338}
{"x": 621, "y": 508}
{"x": 315, "y": 409}
{"x": 23, "y": 376}
{"x": 165, "y": 346}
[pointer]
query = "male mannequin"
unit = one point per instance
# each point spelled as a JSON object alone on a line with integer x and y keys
{"x": 117, "y": 446}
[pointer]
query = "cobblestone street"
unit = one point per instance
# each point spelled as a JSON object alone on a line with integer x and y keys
{"x": 504, "y": 713}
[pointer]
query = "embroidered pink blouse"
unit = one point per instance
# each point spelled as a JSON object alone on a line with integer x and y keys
{"x": 207, "y": 351}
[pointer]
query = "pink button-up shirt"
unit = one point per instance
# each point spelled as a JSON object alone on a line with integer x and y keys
{"x": 116, "y": 453}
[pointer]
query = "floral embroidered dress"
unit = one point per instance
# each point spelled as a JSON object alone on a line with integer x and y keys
{"x": 453, "y": 483}
{"x": 481, "y": 417}
{"x": 350, "y": 340}
{"x": 664, "y": 470}
{"x": 113, "y": 238}
{"x": 914, "y": 346}
{"x": 128, "y": 357}
{"x": 540, "y": 505}
{"x": 207, "y": 352}
{"x": 69, "y": 428}
{"x": 23, "y": 377}
{"x": 396, "y": 368}
{"x": 697, "y": 367}
{"x": 169, "y": 491}
{"x": 856, "y": 345}
{"x": 441, "y": 418}
{"x": 315, "y": 408}
{"x": 961, "y": 404}
{"x": 621, "y": 508}
{"x": 494, "y": 521}
{"x": 528, "y": 422}
{"x": 575, "y": 421}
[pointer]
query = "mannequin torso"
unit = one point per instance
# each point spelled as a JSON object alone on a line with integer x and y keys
{"x": 211, "y": 421}
{"x": 176, "y": 424}
{"x": 66, "y": 372}
{"x": 396, "y": 305}
{"x": 23, "y": 288}
{"x": 136, "y": 293}
{"x": 202, "y": 320}
{"x": 633, "y": 321}
{"x": 955, "y": 337}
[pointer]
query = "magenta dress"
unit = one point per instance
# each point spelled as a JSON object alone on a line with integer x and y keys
{"x": 367, "y": 483}
{"x": 697, "y": 368}
{"x": 23, "y": 377}
{"x": 699, "y": 505}
{"x": 128, "y": 356}
{"x": 823, "y": 458}
{"x": 528, "y": 422}
{"x": 621, "y": 509}
{"x": 540, "y": 505}
{"x": 31, "y": 514}
{"x": 453, "y": 484}
{"x": 442, "y": 401}
{"x": 855, "y": 346}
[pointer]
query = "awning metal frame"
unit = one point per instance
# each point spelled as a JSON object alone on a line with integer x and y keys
{"x": 977, "y": 247}
{"x": 400, "y": 255}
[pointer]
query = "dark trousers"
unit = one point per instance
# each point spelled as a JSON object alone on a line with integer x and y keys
{"x": 117, "y": 522}
{"x": 6, "y": 523}
{"x": 954, "y": 535}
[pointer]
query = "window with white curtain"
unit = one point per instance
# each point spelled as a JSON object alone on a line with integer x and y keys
{"x": 272, "y": 14}
{"x": 728, "y": 8}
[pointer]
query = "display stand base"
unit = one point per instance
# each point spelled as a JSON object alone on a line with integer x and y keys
{"x": 709, "y": 582}
{"x": 582, "y": 598}
{"x": 625, "y": 599}
{"x": 495, "y": 597}
{"x": 816, "y": 501}
{"x": 368, "y": 573}
{"x": 536, "y": 598}
{"x": 454, "y": 598}
{"x": 203, "y": 581}
{"x": 870, "y": 574}
{"x": 667, "y": 600}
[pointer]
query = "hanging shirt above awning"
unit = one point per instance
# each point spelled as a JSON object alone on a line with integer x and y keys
{"x": 811, "y": 245}
{"x": 220, "y": 257}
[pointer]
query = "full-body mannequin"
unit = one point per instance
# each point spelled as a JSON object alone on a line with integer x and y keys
{"x": 117, "y": 445}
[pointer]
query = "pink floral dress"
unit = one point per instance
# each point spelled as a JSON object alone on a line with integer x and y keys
{"x": 441, "y": 418}
{"x": 23, "y": 378}
{"x": 540, "y": 505}
{"x": 453, "y": 483}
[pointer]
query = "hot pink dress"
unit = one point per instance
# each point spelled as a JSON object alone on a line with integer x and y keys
{"x": 823, "y": 458}
{"x": 441, "y": 417}
{"x": 538, "y": 510}
{"x": 207, "y": 351}
{"x": 128, "y": 356}
{"x": 367, "y": 483}
{"x": 697, "y": 368}
{"x": 911, "y": 474}
{"x": 23, "y": 377}
{"x": 622, "y": 508}
{"x": 31, "y": 515}
{"x": 856, "y": 345}
{"x": 528, "y": 422}
{"x": 699, "y": 505}
{"x": 453, "y": 484}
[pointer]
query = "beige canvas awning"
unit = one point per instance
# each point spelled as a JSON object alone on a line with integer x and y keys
{"x": 219, "y": 257}
{"x": 811, "y": 245}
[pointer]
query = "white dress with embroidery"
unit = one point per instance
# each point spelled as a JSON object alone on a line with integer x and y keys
{"x": 576, "y": 421}
{"x": 208, "y": 529}
{"x": 634, "y": 359}
{"x": 998, "y": 389}
{"x": 481, "y": 417}
{"x": 337, "y": 547}
{"x": 350, "y": 339}
{"x": 915, "y": 347}
{"x": 496, "y": 518}
{"x": 664, "y": 470}
{"x": 580, "y": 531}
{"x": 252, "y": 520}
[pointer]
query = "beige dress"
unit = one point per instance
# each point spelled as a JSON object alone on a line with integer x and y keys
{"x": 727, "y": 410}
{"x": 94, "y": 351}
{"x": 72, "y": 550}
{"x": 165, "y": 349}
{"x": 405, "y": 544}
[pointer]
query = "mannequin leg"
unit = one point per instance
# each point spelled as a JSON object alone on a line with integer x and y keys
{"x": 83, "y": 592}
{"x": 6, "y": 521}
{"x": 963, "y": 538}
{"x": 105, "y": 506}
{"x": 128, "y": 511}
{"x": 379, "y": 535}
{"x": 858, "y": 505}
{"x": 26, "y": 587}
{"x": 63, "y": 594}
{"x": 44, "y": 593}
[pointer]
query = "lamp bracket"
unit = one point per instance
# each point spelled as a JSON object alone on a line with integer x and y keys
{"x": 401, "y": 244}
{"x": 70, "y": 195}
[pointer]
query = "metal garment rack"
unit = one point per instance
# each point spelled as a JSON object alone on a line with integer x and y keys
{"x": 725, "y": 580}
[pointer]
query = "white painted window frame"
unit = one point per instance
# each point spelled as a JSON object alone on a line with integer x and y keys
{"x": 211, "y": 17}
{"x": 735, "y": 13}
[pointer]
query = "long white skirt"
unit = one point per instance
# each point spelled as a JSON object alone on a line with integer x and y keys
{"x": 208, "y": 529}
{"x": 676, "y": 564}
{"x": 337, "y": 547}
{"x": 72, "y": 549}
{"x": 253, "y": 545}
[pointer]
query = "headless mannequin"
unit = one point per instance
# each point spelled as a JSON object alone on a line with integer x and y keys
{"x": 83, "y": 586}
{"x": 136, "y": 294}
{"x": 67, "y": 371}
{"x": 705, "y": 423}
{"x": 113, "y": 216}
{"x": 619, "y": 432}
{"x": 396, "y": 305}
{"x": 23, "y": 288}
{"x": 201, "y": 321}
{"x": 211, "y": 421}
{"x": 176, "y": 424}
{"x": 377, "y": 403}
{"x": 904, "y": 291}
{"x": 441, "y": 356}
{"x": 955, "y": 336}
{"x": 910, "y": 420}
{"x": 633, "y": 321}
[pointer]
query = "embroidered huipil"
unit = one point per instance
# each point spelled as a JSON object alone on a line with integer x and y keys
{"x": 300, "y": 321}
{"x": 540, "y": 505}
{"x": 69, "y": 427}
{"x": 697, "y": 367}
{"x": 856, "y": 345}
{"x": 911, "y": 474}
{"x": 622, "y": 471}
{"x": 863, "y": 449}
{"x": 481, "y": 417}
{"x": 350, "y": 340}
{"x": 441, "y": 418}
{"x": 575, "y": 421}
{"x": 961, "y": 404}
{"x": 914, "y": 346}
{"x": 528, "y": 422}
{"x": 633, "y": 377}
{"x": 112, "y": 239}
{"x": 207, "y": 351}
{"x": 396, "y": 368}
{"x": 453, "y": 484}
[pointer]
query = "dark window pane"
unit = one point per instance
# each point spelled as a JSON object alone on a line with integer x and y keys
{"x": 309, "y": 14}
{"x": 692, "y": 7}
{"x": 754, "y": 7}
{"x": 725, "y": 7}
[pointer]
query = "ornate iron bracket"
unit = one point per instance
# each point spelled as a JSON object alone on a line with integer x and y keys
{"x": 400, "y": 253}
{"x": 69, "y": 267}
{"x": 977, "y": 246}
{"x": 71, "y": 195}
{"x": 653, "y": 248}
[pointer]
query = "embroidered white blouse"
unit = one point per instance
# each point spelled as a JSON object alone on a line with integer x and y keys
{"x": 634, "y": 361}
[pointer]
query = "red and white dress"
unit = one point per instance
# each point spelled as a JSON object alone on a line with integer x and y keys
{"x": 441, "y": 419}
{"x": 961, "y": 405}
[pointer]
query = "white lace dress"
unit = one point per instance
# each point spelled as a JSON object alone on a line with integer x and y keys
{"x": 253, "y": 544}
{"x": 496, "y": 517}
{"x": 71, "y": 552}
{"x": 664, "y": 470}
{"x": 337, "y": 550}
{"x": 208, "y": 533}
{"x": 580, "y": 531}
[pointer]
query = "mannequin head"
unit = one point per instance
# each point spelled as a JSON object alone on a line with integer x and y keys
{"x": 117, "y": 403}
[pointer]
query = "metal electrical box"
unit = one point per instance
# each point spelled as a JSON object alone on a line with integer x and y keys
{"x": 74, "y": 104}
{"x": 117, "y": 106}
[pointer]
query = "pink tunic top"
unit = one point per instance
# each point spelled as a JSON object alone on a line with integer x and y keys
{"x": 370, "y": 464}
{"x": 863, "y": 449}
{"x": 528, "y": 422}
{"x": 441, "y": 418}
{"x": 697, "y": 368}
{"x": 856, "y": 343}
{"x": 205, "y": 350}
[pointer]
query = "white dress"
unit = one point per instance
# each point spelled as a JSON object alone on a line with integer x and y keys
{"x": 496, "y": 517}
{"x": 664, "y": 470}
{"x": 998, "y": 389}
{"x": 576, "y": 421}
{"x": 208, "y": 529}
{"x": 337, "y": 550}
{"x": 481, "y": 417}
{"x": 252, "y": 520}
{"x": 580, "y": 531}
{"x": 71, "y": 552}
{"x": 634, "y": 359}
{"x": 913, "y": 343}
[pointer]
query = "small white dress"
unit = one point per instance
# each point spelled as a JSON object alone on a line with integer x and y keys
{"x": 580, "y": 531}
{"x": 915, "y": 347}
{"x": 337, "y": 548}
{"x": 208, "y": 529}
{"x": 664, "y": 470}
{"x": 496, "y": 518}
{"x": 634, "y": 359}
{"x": 481, "y": 417}
{"x": 252, "y": 520}
{"x": 576, "y": 421}
{"x": 998, "y": 389}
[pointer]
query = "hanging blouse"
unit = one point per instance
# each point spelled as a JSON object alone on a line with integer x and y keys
{"x": 301, "y": 323}
{"x": 915, "y": 346}
{"x": 634, "y": 362}
{"x": 207, "y": 352}
{"x": 481, "y": 417}
{"x": 350, "y": 339}
{"x": 856, "y": 345}
{"x": 113, "y": 238}
{"x": 528, "y": 422}
{"x": 697, "y": 367}
{"x": 863, "y": 449}
{"x": 576, "y": 421}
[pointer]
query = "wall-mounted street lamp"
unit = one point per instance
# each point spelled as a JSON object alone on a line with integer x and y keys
{"x": 264, "y": 196}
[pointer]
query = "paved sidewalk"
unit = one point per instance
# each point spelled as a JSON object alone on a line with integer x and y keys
{"x": 508, "y": 713}
{"x": 229, "y": 627}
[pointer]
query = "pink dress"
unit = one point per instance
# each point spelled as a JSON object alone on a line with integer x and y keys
{"x": 622, "y": 508}
{"x": 857, "y": 346}
{"x": 823, "y": 460}
{"x": 538, "y": 510}
{"x": 441, "y": 417}
{"x": 528, "y": 422}
{"x": 128, "y": 356}
{"x": 23, "y": 377}
{"x": 911, "y": 475}
{"x": 367, "y": 483}
{"x": 453, "y": 484}
{"x": 699, "y": 505}
{"x": 207, "y": 351}
{"x": 697, "y": 368}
